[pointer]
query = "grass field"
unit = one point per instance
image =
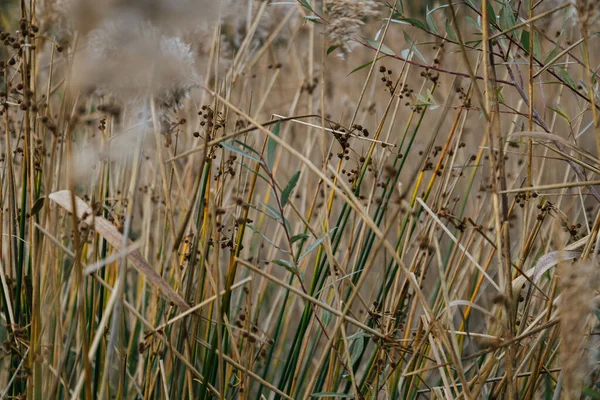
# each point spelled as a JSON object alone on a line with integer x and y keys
{"x": 301, "y": 199}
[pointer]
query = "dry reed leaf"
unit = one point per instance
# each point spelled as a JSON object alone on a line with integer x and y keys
{"x": 545, "y": 262}
{"x": 110, "y": 232}
{"x": 539, "y": 136}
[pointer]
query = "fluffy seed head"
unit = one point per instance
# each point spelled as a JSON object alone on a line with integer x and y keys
{"x": 346, "y": 17}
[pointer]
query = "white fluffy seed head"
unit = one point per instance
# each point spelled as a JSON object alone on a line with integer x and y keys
{"x": 346, "y": 17}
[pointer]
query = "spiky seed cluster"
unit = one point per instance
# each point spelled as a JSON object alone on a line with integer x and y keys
{"x": 346, "y": 17}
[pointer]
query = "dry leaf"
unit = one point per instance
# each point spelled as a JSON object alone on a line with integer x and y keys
{"x": 112, "y": 235}
{"x": 545, "y": 262}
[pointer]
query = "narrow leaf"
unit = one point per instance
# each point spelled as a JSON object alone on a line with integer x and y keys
{"x": 450, "y": 31}
{"x": 597, "y": 314}
{"x": 258, "y": 231}
{"x": 564, "y": 75}
{"x": 270, "y": 211}
{"x": 272, "y": 145}
{"x": 413, "y": 46}
{"x": 359, "y": 335}
{"x": 525, "y": 40}
{"x": 430, "y": 21}
{"x": 414, "y": 22}
{"x": 591, "y": 393}
{"x": 400, "y": 6}
{"x": 314, "y": 245}
{"x": 239, "y": 151}
{"x": 285, "y": 195}
{"x": 287, "y": 265}
{"x": 313, "y": 19}
{"x": 331, "y": 49}
{"x": 491, "y": 14}
{"x": 384, "y": 49}
{"x": 507, "y": 18}
{"x": 537, "y": 47}
{"x": 363, "y": 66}
{"x": 326, "y": 317}
{"x": 299, "y": 236}
{"x": 246, "y": 146}
{"x": 356, "y": 349}
{"x": 37, "y": 206}
{"x": 306, "y": 4}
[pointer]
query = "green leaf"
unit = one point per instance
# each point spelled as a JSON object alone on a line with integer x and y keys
{"x": 591, "y": 393}
{"x": 470, "y": 2}
{"x": 548, "y": 384}
{"x": 597, "y": 313}
{"x": 400, "y": 6}
{"x": 259, "y": 232}
{"x": 332, "y": 394}
{"x": 299, "y": 236}
{"x": 470, "y": 20}
{"x": 314, "y": 245}
{"x": 272, "y": 146}
{"x": 525, "y": 40}
{"x": 331, "y": 49}
{"x": 491, "y": 15}
{"x": 287, "y": 265}
{"x": 507, "y": 18}
{"x": 239, "y": 151}
{"x": 363, "y": 66}
{"x": 439, "y": 7}
{"x": 285, "y": 195}
{"x": 384, "y": 49}
{"x": 430, "y": 21}
{"x": 499, "y": 94}
{"x": 557, "y": 108}
{"x": 552, "y": 53}
{"x": 306, "y": 4}
{"x": 270, "y": 211}
{"x": 413, "y": 46}
{"x": 37, "y": 206}
{"x": 359, "y": 335}
{"x": 473, "y": 43}
{"x": 414, "y": 22}
{"x": 313, "y": 18}
{"x": 246, "y": 146}
{"x": 537, "y": 47}
{"x": 450, "y": 31}
{"x": 564, "y": 75}
{"x": 356, "y": 349}
{"x": 326, "y": 317}
{"x": 271, "y": 242}
{"x": 253, "y": 171}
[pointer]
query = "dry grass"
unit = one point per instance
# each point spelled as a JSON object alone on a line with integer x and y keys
{"x": 337, "y": 199}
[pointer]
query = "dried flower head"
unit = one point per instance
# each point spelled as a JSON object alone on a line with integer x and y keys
{"x": 346, "y": 17}
{"x": 582, "y": 15}
{"x": 135, "y": 60}
{"x": 587, "y": 14}
{"x": 132, "y": 131}
{"x": 171, "y": 16}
